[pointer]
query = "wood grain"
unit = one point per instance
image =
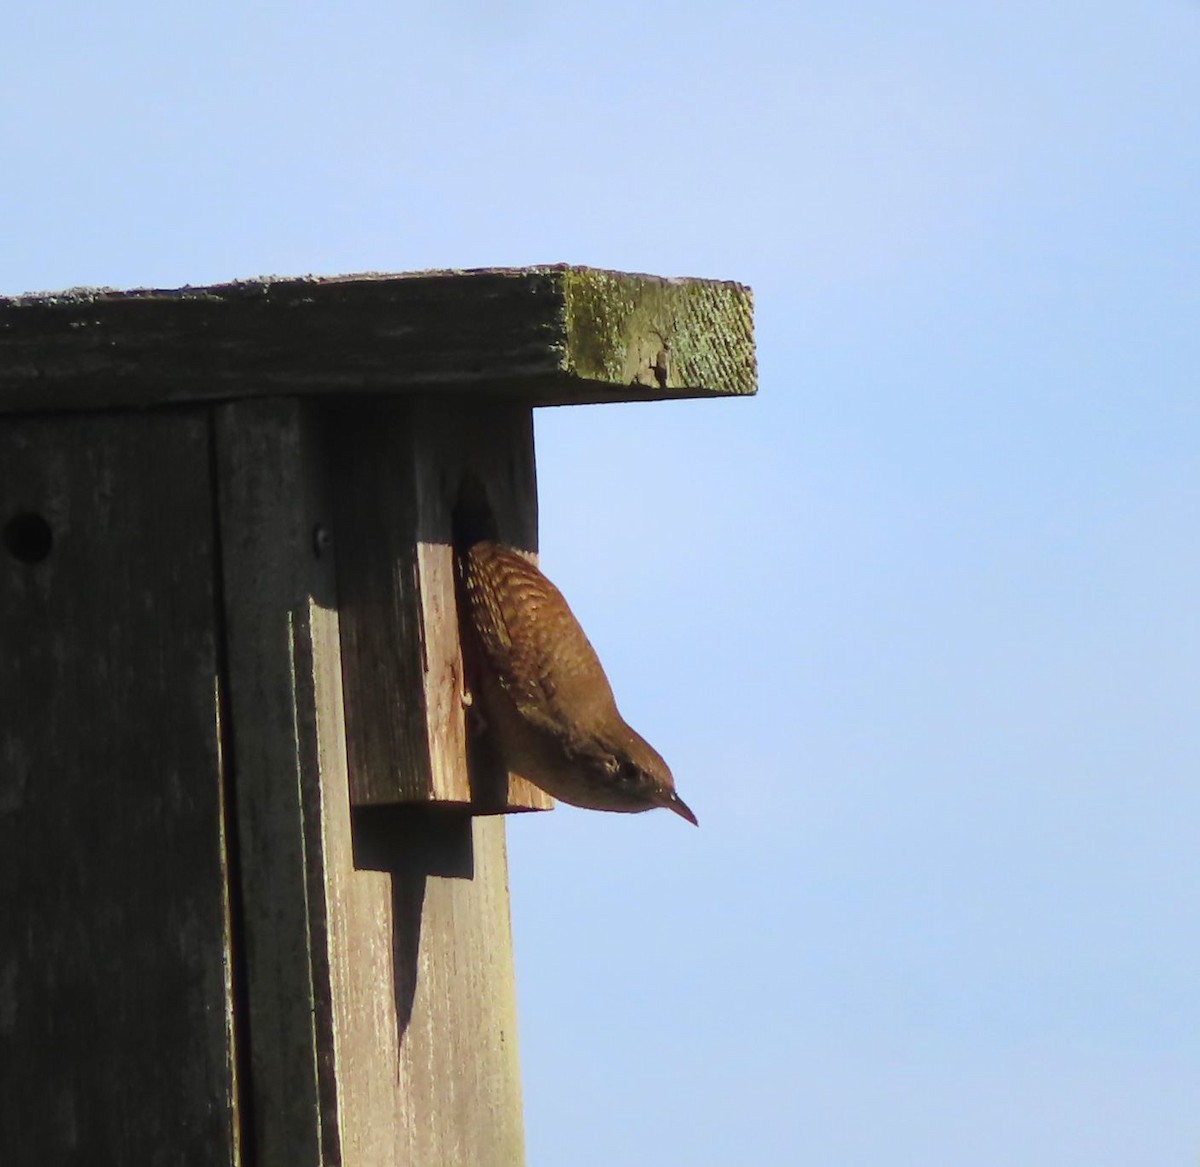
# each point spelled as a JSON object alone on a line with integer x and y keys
{"x": 542, "y": 335}
{"x": 398, "y": 470}
{"x": 116, "y": 1038}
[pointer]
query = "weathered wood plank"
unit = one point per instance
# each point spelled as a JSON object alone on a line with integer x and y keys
{"x": 276, "y": 566}
{"x": 399, "y": 467}
{"x": 423, "y": 987}
{"x": 459, "y": 1095}
{"x": 542, "y": 335}
{"x": 116, "y": 1038}
{"x": 410, "y": 962}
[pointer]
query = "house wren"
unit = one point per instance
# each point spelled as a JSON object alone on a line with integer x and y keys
{"x": 544, "y": 695}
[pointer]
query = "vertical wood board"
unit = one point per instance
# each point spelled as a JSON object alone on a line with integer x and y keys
{"x": 423, "y": 987}
{"x": 276, "y": 565}
{"x": 399, "y": 467}
{"x": 116, "y": 1041}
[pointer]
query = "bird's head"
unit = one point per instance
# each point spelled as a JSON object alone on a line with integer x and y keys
{"x": 634, "y": 776}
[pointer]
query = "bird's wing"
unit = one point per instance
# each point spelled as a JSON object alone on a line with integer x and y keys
{"x": 533, "y": 643}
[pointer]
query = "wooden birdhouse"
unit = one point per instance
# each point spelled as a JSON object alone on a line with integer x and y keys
{"x": 253, "y": 894}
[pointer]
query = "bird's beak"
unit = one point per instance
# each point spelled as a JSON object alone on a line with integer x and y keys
{"x": 680, "y": 807}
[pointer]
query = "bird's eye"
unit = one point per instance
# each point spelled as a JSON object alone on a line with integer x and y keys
{"x": 628, "y": 772}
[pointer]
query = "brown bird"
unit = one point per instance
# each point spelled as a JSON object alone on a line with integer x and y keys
{"x": 545, "y": 698}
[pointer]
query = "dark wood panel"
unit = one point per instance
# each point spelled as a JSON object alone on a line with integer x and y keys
{"x": 116, "y": 1038}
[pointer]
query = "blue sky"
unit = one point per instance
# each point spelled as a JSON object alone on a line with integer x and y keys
{"x": 917, "y": 629}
